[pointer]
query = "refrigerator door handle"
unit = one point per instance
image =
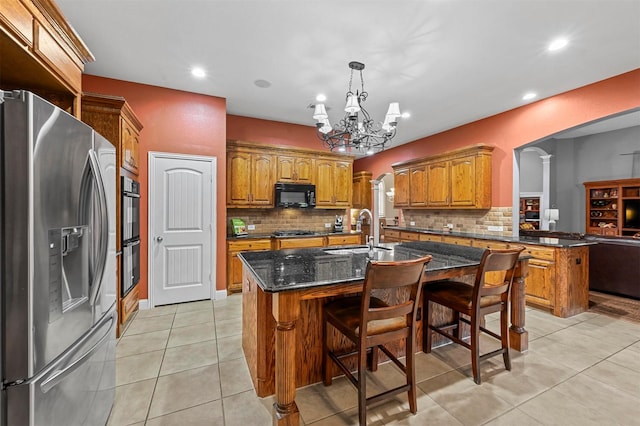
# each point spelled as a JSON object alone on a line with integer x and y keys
{"x": 59, "y": 375}
{"x": 104, "y": 225}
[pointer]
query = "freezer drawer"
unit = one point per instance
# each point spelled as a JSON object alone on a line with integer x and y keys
{"x": 78, "y": 388}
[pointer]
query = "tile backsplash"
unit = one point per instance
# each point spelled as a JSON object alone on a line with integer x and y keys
{"x": 267, "y": 221}
{"x": 472, "y": 221}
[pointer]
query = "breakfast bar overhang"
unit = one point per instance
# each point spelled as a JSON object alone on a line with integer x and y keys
{"x": 283, "y": 292}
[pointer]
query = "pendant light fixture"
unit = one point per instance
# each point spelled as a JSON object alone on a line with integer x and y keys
{"x": 356, "y": 132}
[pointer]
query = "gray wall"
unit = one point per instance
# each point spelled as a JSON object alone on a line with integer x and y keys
{"x": 530, "y": 172}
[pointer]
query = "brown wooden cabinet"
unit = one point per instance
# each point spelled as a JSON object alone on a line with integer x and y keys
{"x": 418, "y": 186}
{"x": 530, "y": 211}
{"x": 343, "y": 240}
{"x": 401, "y": 185}
{"x": 333, "y": 183}
{"x": 234, "y": 265}
{"x": 459, "y": 179}
{"x": 303, "y": 242}
{"x": 113, "y": 118}
{"x": 250, "y": 178}
{"x": 463, "y": 176}
{"x": 294, "y": 169}
{"x": 362, "y": 190}
{"x": 613, "y": 207}
{"x": 254, "y": 168}
{"x": 40, "y": 52}
{"x": 438, "y": 177}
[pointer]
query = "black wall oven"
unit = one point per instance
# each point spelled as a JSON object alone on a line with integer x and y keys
{"x": 130, "y": 234}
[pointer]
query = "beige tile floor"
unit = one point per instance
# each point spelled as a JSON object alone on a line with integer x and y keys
{"x": 183, "y": 365}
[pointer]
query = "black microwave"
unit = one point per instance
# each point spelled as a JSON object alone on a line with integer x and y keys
{"x": 295, "y": 195}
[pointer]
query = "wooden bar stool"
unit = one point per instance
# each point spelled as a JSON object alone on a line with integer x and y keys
{"x": 369, "y": 323}
{"x": 490, "y": 293}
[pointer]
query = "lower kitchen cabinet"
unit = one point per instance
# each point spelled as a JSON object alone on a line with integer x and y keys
{"x": 343, "y": 240}
{"x": 290, "y": 243}
{"x": 234, "y": 265}
{"x": 128, "y": 305}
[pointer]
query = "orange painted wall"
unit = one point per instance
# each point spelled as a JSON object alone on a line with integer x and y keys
{"x": 272, "y": 132}
{"x": 177, "y": 122}
{"x": 517, "y": 127}
{"x": 184, "y": 122}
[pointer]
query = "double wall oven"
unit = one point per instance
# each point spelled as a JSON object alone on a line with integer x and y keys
{"x": 130, "y": 234}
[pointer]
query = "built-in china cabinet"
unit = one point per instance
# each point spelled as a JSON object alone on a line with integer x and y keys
{"x": 613, "y": 207}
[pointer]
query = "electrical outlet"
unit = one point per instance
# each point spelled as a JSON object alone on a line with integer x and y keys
{"x": 450, "y": 225}
{"x": 495, "y": 228}
{"x": 327, "y": 225}
{"x": 251, "y": 227}
{"x": 412, "y": 223}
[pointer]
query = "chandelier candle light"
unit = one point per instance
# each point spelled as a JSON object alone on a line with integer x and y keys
{"x": 356, "y": 131}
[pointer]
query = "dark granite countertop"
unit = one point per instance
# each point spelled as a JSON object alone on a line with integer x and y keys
{"x": 294, "y": 269}
{"x": 315, "y": 234}
{"x": 541, "y": 241}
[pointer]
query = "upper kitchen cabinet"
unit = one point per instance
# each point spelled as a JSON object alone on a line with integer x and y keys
{"x": 334, "y": 183}
{"x": 294, "y": 169}
{"x": 113, "y": 118}
{"x": 250, "y": 178}
{"x": 459, "y": 179}
{"x": 362, "y": 190}
{"x": 254, "y": 168}
{"x": 401, "y": 185}
{"x": 410, "y": 185}
{"x": 41, "y": 52}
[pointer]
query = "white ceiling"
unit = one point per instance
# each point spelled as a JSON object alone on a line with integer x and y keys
{"x": 446, "y": 62}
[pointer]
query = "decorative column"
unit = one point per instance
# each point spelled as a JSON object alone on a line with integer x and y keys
{"x": 375, "y": 226}
{"x": 518, "y": 336}
{"x": 286, "y": 310}
{"x": 544, "y": 202}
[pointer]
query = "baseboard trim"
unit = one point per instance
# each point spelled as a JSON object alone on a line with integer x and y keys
{"x": 143, "y": 304}
{"x": 220, "y": 294}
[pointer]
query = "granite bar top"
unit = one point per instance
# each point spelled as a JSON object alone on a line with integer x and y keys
{"x": 541, "y": 241}
{"x": 315, "y": 234}
{"x": 294, "y": 269}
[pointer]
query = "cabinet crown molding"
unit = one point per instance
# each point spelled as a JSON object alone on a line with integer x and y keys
{"x": 479, "y": 149}
{"x": 233, "y": 145}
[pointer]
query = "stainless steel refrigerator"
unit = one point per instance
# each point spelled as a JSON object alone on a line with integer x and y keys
{"x": 58, "y": 269}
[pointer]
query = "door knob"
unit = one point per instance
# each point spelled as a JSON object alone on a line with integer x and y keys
{"x": 159, "y": 239}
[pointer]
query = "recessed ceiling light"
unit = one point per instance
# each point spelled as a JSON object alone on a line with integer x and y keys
{"x": 321, "y": 98}
{"x": 198, "y": 72}
{"x": 529, "y": 96}
{"x": 557, "y": 44}
{"x": 263, "y": 84}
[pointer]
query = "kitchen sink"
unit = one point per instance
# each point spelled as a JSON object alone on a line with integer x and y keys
{"x": 355, "y": 250}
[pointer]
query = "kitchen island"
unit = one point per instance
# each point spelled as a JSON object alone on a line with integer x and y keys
{"x": 283, "y": 292}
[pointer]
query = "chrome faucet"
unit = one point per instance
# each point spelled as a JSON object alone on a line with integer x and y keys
{"x": 371, "y": 227}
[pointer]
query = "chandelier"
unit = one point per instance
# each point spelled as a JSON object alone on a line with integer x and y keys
{"x": 356, "y": 132}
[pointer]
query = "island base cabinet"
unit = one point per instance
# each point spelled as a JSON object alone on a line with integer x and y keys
{"x": 558, "y": 280}
{"x": 258, "y": 334}
{"x": 540, "y": 283}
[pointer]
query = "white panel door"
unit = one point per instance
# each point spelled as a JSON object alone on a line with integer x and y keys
{"x": 181, "y": 233}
